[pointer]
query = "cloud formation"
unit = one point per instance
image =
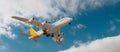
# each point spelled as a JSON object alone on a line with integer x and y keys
{"x": 4, "y": 47}
{"x": 109, "y": 44}
{"x": 44, "y": 9}
{"x": 113, "y": 26}
{"x": 80, "y": 26}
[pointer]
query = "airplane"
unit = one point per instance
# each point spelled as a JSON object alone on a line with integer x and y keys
{"x": 46, "y": 29}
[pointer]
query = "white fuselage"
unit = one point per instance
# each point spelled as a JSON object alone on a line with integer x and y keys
{"x": 55, "y": 27}
{"x": 52, "y": 30}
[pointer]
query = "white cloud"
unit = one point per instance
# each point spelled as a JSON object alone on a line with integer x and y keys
{"x": 117, "y": 20}
{"x": 109, "y": 44}
{"x": 72, "y": 6}
{"x": 45, "y": 9}
{"x": 80, "y": 26}
{"x": 112, "y": 26}
{"x": 4, "y": 47}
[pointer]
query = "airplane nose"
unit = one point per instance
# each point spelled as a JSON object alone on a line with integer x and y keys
{"x": 70, "y": 19}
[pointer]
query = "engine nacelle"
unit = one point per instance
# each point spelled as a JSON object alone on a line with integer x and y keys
{"x": 44, "y": 23}
{"x": 30, "y": 20}
{"x": 61, "y": 39}
{"x": 61, "y": 34}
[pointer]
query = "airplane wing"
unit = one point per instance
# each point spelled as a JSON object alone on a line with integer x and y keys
{"x": 58, "y": 40}
{"x": 34, "y": 23}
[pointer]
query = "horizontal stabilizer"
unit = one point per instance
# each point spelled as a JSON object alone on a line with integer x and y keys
{"x": 25, "y": 34}
{"x": 35, "y": 40}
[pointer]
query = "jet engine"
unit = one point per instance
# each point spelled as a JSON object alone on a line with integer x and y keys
{"x": 44, "y": 23}
{"x": 61, "y": 39}
{"x": 30, "y": 20}
{"x": 61, "y": 34}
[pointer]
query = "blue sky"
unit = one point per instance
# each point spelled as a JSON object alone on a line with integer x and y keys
{"x": 95, "y": 26}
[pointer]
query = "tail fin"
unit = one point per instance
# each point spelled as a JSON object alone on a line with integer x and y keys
{"x": 33, "y": 35}
{"x": 33, "y": 32}
{"x": 35, "y": 40}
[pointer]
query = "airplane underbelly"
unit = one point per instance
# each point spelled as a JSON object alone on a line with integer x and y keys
{"x": 52, "y": 30}
{"x": 62, "y": 23}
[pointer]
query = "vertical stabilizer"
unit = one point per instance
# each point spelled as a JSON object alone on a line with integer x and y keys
{"x": 33, "y": 32}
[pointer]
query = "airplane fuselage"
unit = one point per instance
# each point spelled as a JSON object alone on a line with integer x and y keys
{"x": 46, "y": 29}
{"x": 55, "y": 27}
